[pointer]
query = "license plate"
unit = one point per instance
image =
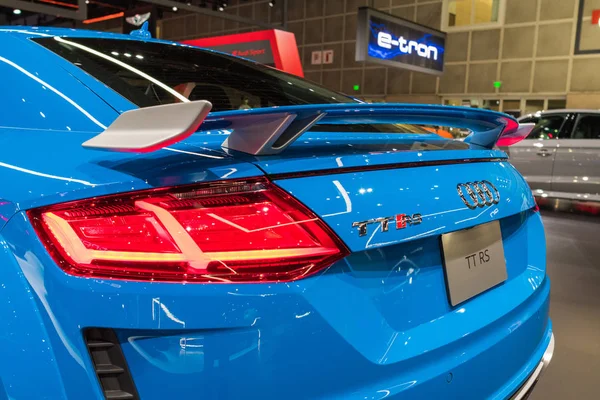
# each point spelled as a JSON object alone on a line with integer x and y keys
{"x": 473, "y": 261}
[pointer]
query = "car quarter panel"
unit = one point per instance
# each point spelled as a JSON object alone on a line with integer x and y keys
{"x": 577, "y": 168}
{"x": 576, "y": 172}
{"x": 29, "y": 344}
{"x": 42, "y": 95}
{"x": 57, "y": 169}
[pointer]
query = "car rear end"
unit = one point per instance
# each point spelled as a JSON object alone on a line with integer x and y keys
{"x": 349, "y": 265}
{"x": 287, "y": 297}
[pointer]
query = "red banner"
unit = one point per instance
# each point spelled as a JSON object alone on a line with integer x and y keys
{"x": 596, "y": 17}
{"x": 271, "y": 47}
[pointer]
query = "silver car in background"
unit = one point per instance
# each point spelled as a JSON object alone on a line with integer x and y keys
{"x": 561, "y": 156}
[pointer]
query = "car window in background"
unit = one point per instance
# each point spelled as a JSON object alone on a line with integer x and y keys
{"x": 588, "y": 127}
{"x": 529, "y": 120}
{"x": 547, "y": 127}
{"x": 152, "y": 73}
{"x": 443, "y": 132}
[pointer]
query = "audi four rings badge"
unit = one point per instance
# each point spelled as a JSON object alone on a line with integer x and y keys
{"x": 478, "y": 194}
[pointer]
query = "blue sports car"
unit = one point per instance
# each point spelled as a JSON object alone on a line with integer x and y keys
{"x": 178, "y": 223}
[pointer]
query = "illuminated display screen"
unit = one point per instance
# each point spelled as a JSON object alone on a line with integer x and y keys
{"x": 385, "y": 39}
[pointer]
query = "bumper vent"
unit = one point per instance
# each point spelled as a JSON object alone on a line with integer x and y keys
{"x": 110, "y": 365}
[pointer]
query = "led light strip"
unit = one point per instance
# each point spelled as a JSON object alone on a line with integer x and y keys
{"x": 71, "y": 243}
{"x": 191, "y": 252}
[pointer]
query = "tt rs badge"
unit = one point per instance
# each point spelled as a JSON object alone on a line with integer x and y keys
{"x": 401, "y": 221}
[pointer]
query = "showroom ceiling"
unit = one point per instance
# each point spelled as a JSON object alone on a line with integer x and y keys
{"x": 52, "y": 12}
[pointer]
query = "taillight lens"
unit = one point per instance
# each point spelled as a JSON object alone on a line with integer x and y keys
{"x": 233, "y": 231}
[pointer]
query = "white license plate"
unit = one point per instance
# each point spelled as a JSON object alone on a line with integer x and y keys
{"x": 473, "y": 261}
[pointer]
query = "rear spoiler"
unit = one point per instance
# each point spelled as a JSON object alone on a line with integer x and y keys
{"x": 269, "y": 131}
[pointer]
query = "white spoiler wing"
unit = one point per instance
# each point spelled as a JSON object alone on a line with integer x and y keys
{"x": 147, "y": 129}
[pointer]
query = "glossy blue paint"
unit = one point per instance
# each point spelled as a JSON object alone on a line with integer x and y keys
{"x": 341, "y": 199}
{"x": 374, "y": 325}
{"x": 361, "y": 113}
{"x": 57, "y": 169}
{"x": 350, "y": 151}
{"x": 41, "y": 95}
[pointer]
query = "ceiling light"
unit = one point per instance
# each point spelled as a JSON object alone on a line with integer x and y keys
{"x": 16, "y": 11}
{"x": 221, "y": 8}
{"x": 127, "y": 54}
{"x": 175, "y": 9}
{"x": 271, "y": 3}
{"x": 114, "y": 53}
{"x": 87, "y": 1}
{"x": 141, "y": 57}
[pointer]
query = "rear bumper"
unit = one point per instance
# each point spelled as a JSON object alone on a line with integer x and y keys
{"x": 527, "y": 388}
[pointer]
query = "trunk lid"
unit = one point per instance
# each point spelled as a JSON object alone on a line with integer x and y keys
{"x": 348, "y": 199}
{"x": 391, "y": 292}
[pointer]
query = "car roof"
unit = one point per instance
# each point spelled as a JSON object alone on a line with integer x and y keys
{"x": 43, "y": 31}
{"x": 559, "y": 111}
{"x": 572, "y": 110}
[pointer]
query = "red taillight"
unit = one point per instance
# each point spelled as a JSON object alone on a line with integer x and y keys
{"x": 536, "y": 207}
{"x": 237, "y": 231}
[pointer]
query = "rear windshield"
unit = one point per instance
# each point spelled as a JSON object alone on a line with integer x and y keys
{"x": 151, "y": 73}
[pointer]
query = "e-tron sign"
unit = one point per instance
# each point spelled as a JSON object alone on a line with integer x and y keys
{"x": 385, "y": 39}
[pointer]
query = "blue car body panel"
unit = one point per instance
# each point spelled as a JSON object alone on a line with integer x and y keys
{"x": 376, "y": 324}
{"x": 341, "y": 199}
{"x": 59, "y": 171}
{"x": 41, "y": 95}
